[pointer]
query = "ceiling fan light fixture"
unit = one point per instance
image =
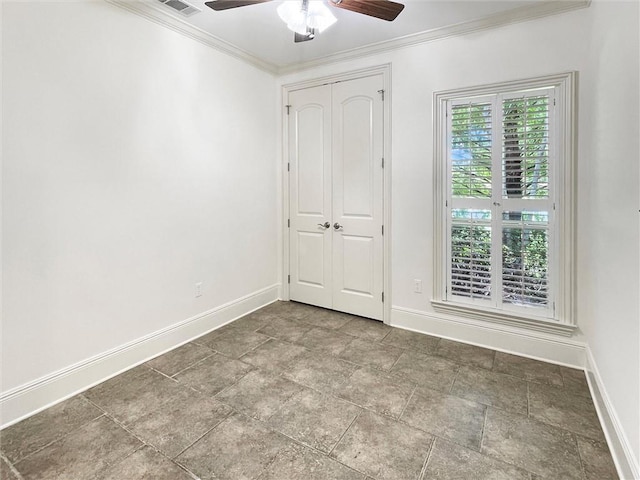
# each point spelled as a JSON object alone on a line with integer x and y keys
{"x": 319, "y": 16}
{"x": 299, "y": 19}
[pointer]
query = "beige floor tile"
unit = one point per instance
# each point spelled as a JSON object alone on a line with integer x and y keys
{"x": 319, "y": 371}
{"x": 145, "y": 464}
{"x": 528, "y": 369}
{"x": 575, "y": 381}
{"x": 85, "y": 452}
{"x": 6, "y": 472}
{"x": 239, "y": 448}
{"x": 30, "y": 435}
{"x": 534, "y": 446}
{"x": 491, "y": 388}
{"x": 556, "y": 406}
{"x": 465, "y": 354}
{"x": 371, "y": 354}
{"x": 300, "y": 463}
{"x": 273, "y": 356}
{"x": 254, "y": 321}
{"x": 383, "y": 393}
{"x": 236, "y": 342}
{"x": 285, "y": 329}
{"x": 371, "y": 330}
{"x": 180, "y": 358}
{"x": 411, "y": 340}
{"x": 383, "y": 448}
{"x": 180, "y": 422}
{"x": 596, "y": 459}
{"x": 259, "y": 394}
{"x": 446, "y": 416}
{"x": 426, "y": 370}
{"x": 291, "y": 310}
{"x": 314, "y": 419}
{"x": 325, "y": 340}
{"x": 129, "y": 396}
{"x": 449, "y": 461}
{"x": 327, "y": 318}
{"x": 213, "y": 374}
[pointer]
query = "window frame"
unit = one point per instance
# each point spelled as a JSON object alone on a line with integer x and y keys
{"x": 561, "y": 245}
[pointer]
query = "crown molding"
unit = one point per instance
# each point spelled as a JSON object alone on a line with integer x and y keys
{"x": 529, "y": 12}
{"x": 517, "y": 15}
{"x": 166, "y": 19}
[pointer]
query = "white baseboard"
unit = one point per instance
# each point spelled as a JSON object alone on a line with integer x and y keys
{"x": 621, "y": 451}
{"x": 26, "y": 400}
{"x": 532, "y": 344}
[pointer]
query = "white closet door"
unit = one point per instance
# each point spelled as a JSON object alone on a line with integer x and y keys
{"x": 336, "y": 196}
{"x": 310, "y": 195}
{"x": 357, "y": 178}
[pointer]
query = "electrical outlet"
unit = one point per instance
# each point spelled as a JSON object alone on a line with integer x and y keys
{"x": 417, "y": 285}
{"x": 199, "y": 289}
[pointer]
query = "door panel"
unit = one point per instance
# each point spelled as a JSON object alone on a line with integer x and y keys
{"x": 311, "y": 252}
{"x": 358, "y": 260}
{"x": 310, "y": 160}
{"x": 357, "y": 172}
{"x": 310, "y": 195}
{"x": 357, "y": 126}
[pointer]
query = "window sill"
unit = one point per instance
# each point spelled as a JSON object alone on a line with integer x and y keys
{"x": 538, "y": 324}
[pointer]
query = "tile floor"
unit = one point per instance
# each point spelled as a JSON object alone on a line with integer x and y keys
{"x": 295, "y": 392}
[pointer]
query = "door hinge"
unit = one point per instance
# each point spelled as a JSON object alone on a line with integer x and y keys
{"x": 288, "y": 223}
{"x": 288, "y": 107}
{"x": 382, "y": 229}
{"x": 382, "y": 162}
{"x": 381, "y": 92}
{"x": 382, "y": 297}
{"x": 288, "y": 167}
{"x": 288, "y": 278}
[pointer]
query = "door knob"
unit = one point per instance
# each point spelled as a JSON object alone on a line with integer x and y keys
{"x": 337, "y": 226}
{"x": 324, "y": 225}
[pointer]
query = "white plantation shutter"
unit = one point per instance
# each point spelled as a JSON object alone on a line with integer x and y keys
{"x": 526, "y": 207}
{"x": 471, "y": 143}
{"x": 499, "y": 221}
{"x": 471, "y": 164}
{"x": 471, "y": 258}
{"x": 525, "y": 259}
{"x": 525, "y": 145}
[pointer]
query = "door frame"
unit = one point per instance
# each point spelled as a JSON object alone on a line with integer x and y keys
{"x": 385, "y": 71}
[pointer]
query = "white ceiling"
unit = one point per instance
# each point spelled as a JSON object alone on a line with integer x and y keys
{"x": 257, "y": 34}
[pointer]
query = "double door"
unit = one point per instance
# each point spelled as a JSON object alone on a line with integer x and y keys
{"x": 335, "y": 145}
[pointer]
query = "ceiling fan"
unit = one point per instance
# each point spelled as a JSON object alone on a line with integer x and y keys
{"x": 306, "y": 18}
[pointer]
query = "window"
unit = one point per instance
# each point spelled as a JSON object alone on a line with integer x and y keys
{"x": 504, "y": 195}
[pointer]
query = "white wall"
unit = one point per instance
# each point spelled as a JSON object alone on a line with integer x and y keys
{"x": 609, "y": 233}
{"x": 136, "y": 162}
{"x": 601, "y": 43}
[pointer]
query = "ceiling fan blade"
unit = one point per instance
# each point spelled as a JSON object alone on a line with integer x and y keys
{"x": 219, "y": 5}
{"x": 304, "y": 37}
{"x": 384, "y": 9}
